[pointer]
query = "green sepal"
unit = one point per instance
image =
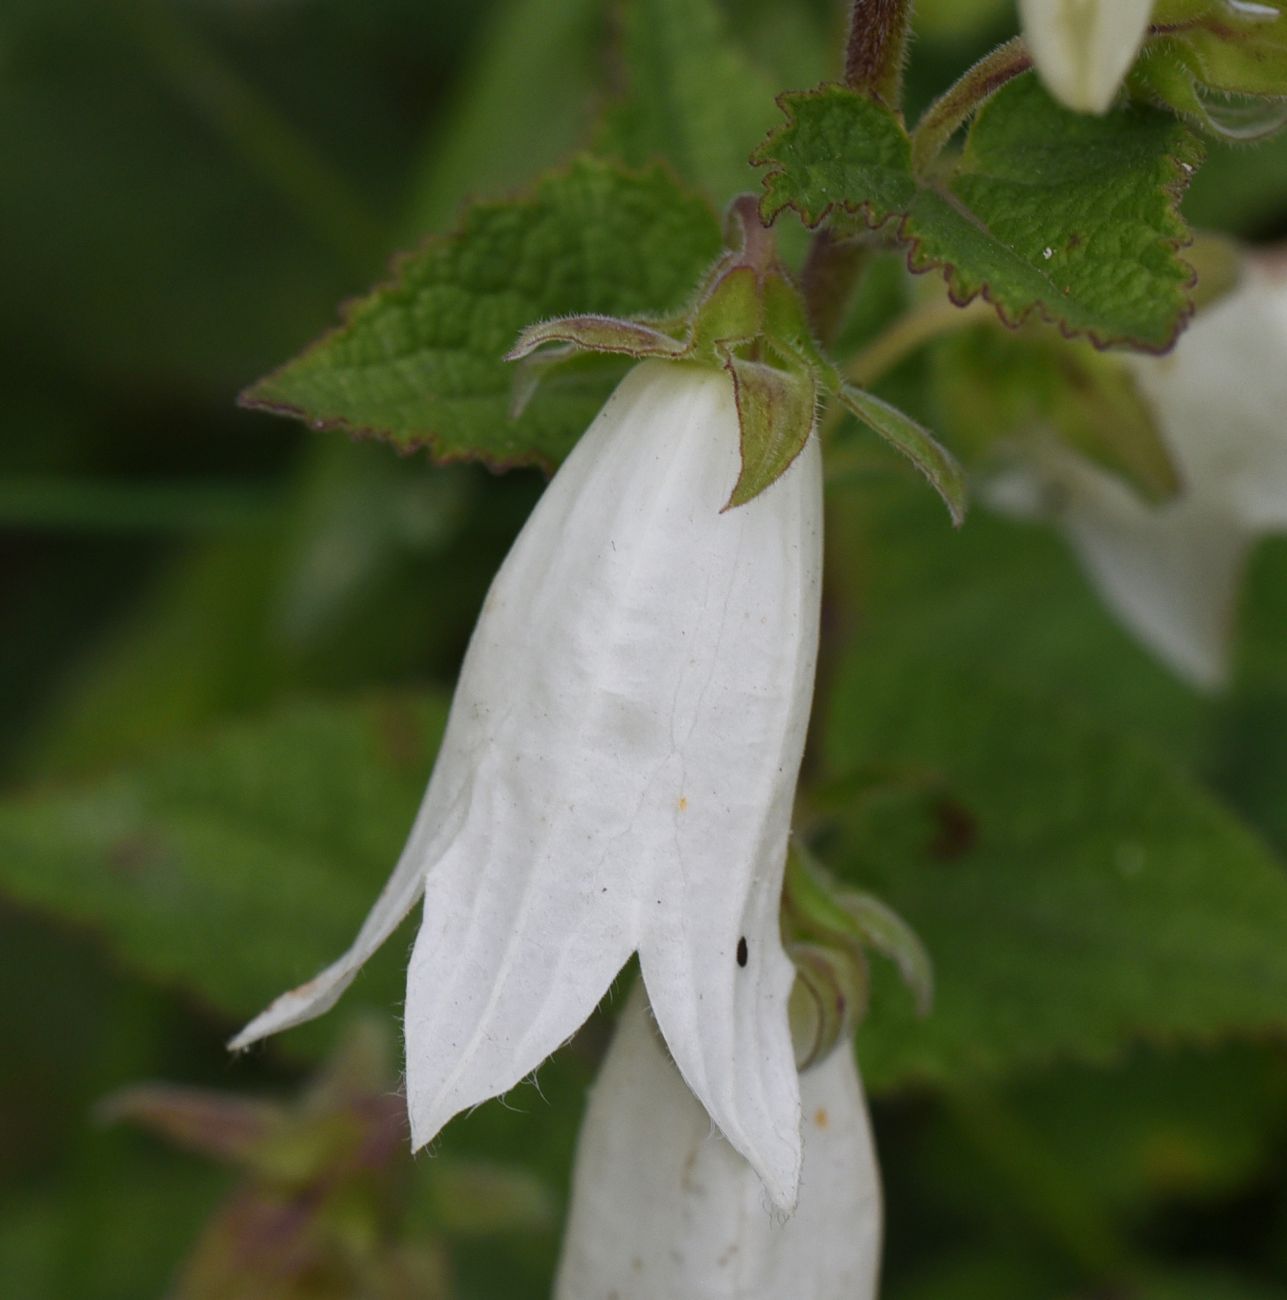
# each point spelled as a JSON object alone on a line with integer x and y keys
{"x": 1175, "y": 76}
{"x": 599, "y": 334}
{"x": 1236, "y": 49}
{"x": 884, "y": 931}
{"x": 730, "y": 312}
{"x": 818, "y": 913}
{"x": 730, "y": 326}
{"x": 942, "y": 470}
{"x": 775, "y": 411}
{"x": 828, "y": 999}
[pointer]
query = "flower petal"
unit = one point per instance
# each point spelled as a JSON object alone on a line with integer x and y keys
{"x": 436, "y": 823}
{"x": 1222, "y": 399}
{"x": 1170, "y": 573}
{"x": 1084, "y": 48}
{"x": 617, "y": 774}
{"x": 662, "y": 1207}
{"x": 639, "y": 681}
{"x": 712, "y": 958}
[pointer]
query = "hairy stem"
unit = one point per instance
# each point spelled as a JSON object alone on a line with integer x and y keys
{"x": 831, "y": 270}
{"x": 877, "y": 48}
{"x": 909, "y": 332}
{"x": 961, "y": 101}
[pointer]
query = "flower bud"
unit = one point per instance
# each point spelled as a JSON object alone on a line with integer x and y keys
{"x": 1083, "y": 49}
{"x": 664, "y": 1209}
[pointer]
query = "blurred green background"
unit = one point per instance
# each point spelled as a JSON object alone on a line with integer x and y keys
{"x": 221, "y": 628}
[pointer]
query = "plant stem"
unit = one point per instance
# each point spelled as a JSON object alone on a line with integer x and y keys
{"x": 941, "y": 120}
{"x": 831, "y": 270}
{"x": 877, "y": 48}
{"x": 910, "y": 331}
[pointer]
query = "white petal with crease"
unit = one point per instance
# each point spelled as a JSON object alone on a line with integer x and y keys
{"x": 1084, "y": 48}
{"x": 664, "y": 1208}
{"x": 617, "y": 775}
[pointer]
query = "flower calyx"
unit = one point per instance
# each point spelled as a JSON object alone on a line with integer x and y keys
{"x": 1219, "y": 63}
{"x": 747, "y": 319}
{"x": 828, "y": 931}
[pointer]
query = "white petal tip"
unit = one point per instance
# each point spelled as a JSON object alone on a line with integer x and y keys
{"x": 782, "y": 1186}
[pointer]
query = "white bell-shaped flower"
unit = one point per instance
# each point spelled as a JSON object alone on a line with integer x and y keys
{"x": 1083, "y": 49}
{"x": 617, "y": 776}
{"x": 1171, "y": 572}
{"x": 664, "y": 1209}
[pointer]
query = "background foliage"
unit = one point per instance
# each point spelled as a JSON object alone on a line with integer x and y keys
{"x": 229, "y": 640}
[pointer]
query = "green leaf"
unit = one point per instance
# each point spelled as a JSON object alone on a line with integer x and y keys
{"x": 775, "y": 412}
{"x": 1066, "y": 217}
{"x": 1148, "y": 1129}
{"x": 993, "y": 386}
{"x": 1002, "y": 600}
{"x": 1077, "y": 890}
{"x": 694, "y": 97}
{"x": 420, "y": 361}
{"x": 285, "y": 827}
{"x": 1233, "y": 48}
{"x": 916, "y": 442}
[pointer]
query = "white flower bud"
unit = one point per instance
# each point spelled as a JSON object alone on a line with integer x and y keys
{"x": 664, "y": 1209}
{"x": 1084, "y": 48}
{"x": 1171, "y": 571}
{"x": 617, "y": 775}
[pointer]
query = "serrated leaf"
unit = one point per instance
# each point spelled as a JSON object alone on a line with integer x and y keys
{"x": 917, "y": 443}
{"x": 286, "y": 826}
{"x": 1067, "y": 217}
{"x": 693, "y": 96}
{"x": 420, "y": 361}
{"x": 1076, "y": 889}
{"x": 775, "y": 414}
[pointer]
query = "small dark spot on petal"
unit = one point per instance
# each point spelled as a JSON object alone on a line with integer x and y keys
{"x": 743, "y": 954}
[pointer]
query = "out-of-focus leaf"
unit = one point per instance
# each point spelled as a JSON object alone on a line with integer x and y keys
{"x": 693, "y": 96}
{"x": 1200, "y": 1284}
{"x": 1076, "y": 889}
{"x": 522, "y": 100}
{"x": 1161, "y": 1126}
{"x": 1015, "y": 1272}
{"x": 237, "y": 864}
{"x": 1231, "y": 47}
{"x": 995, "y": 386}
{"x": 1000, "y": 600}
{"x": 420, "y": 361}
{"x": 951, "y": 20}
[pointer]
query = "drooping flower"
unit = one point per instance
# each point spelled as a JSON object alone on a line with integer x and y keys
{"x": 662, "y": 1207}
{"x": 617, "y": 776}
{"x": 1083, "y": 49}
{"x": 1171, "y": 571}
